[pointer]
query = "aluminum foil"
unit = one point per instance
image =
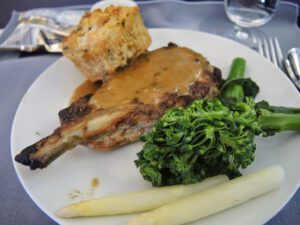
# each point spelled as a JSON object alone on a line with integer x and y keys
{"x": 40, "y": 29}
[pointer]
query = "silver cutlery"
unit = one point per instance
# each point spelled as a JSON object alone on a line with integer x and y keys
{"x": 270, "y": 49}
{"x": 291, "y": 74}
{"x": 293, "y": 57}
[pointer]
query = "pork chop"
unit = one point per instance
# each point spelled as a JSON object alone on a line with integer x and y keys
{"x": 127, "y": 106}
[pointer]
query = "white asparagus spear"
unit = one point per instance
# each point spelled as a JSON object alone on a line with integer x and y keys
{"x": 136, "y": 201}
{"x": 213, "y": 200}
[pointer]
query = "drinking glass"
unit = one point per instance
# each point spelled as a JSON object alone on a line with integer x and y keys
{"x": 246, "y": 14}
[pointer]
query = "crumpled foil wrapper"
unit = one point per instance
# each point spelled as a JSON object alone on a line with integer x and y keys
{"x": 34, "y": 29}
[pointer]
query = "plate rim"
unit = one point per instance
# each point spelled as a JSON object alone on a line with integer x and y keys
{"x": 62, "y": 58}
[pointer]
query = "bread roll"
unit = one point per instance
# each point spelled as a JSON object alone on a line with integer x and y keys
{"x": 106, "y": 40}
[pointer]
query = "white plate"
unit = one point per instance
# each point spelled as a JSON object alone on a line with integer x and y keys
{"x": 55, "y": 186}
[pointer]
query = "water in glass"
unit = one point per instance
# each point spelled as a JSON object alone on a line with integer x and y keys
{"x": 250, "y": 13}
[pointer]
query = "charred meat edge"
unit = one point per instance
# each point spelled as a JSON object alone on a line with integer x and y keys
{"x": 74, "y": 119}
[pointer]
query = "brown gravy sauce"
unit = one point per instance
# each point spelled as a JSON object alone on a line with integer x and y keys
{"x": 87, "y": 87}
{"x": 95, "y": 183}
{"x": 160, "y": 71}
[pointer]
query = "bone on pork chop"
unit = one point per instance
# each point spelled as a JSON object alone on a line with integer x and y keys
{"x": 127, "y": 106}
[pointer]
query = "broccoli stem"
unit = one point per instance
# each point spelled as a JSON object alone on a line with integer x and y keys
{"x": 278, "y": 118}
{"x": 237, "y": 70}
{"x": 278, "y": 122}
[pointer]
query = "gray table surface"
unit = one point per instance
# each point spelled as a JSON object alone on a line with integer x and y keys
{"x": 17, "y": 74}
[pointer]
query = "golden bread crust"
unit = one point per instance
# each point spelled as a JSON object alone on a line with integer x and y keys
{"x": 106, "y": 40}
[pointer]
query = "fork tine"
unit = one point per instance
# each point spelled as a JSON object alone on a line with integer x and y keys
{"x": 260, "y": 47}
{"x": 278, "y": 52}
{"x": 273, "y": 47}
{"x": 273, "y": 53}
{"x": 266, "y": 49}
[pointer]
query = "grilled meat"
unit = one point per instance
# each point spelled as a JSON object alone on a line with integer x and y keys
{"x": 126, "y": 107}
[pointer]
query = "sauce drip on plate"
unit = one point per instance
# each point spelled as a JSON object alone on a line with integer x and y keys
{"x": 87, "y": 87}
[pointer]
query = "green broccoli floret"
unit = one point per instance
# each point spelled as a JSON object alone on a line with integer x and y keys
{"x": 209, "y": 138}
{"x": 212, "y": 137}
{"x": 205, "y": 139}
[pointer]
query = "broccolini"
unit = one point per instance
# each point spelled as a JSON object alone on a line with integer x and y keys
{"x": 212, "y": 137}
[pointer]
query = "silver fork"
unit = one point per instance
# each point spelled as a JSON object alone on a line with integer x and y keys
{"x": 270, "y": 49}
